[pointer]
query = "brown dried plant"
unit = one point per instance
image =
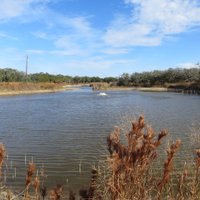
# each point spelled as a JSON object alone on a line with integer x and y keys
{"x": 130, "y": 162}
{"x": 2, "y": 156}
{"x": 129, "y": 173}
{"x": 29, "y": 175}
{"x": 56, "y": 193}
{"x": 36, "y": 185}
{"x": 168, "y": 165}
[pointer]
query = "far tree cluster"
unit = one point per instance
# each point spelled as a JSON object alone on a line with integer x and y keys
{"x": 12, "y": 75}
{"x": 160, "y": 78}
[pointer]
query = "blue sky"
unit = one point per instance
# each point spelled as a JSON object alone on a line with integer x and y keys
{"x": 99, "y": 37}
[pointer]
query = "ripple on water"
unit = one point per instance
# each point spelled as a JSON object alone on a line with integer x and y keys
{"x": 62, "y": 131}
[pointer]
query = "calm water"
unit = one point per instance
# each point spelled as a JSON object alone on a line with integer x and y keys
{"x": 63, "y": 131}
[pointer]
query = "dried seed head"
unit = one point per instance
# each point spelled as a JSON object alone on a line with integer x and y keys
{"x": 162, "y": 134}
{"x": 31, "y": 169}
{"x": 36, "y": 183}
{"x": 198, "y": 153}
{"x": 185, "y": 173}
{"x": 2, "y": 153}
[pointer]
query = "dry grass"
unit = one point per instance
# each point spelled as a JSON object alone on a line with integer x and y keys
{"x": 195, "y": 135}
{"x": 24, "y": 86}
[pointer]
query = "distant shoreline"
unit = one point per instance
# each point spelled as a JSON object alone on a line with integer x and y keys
{"x": 7, "y": 90}
{"x": 177, "y": 88}
{"x": 24, "y": 92}
{"x": 152, "y": 89}
{"x": 142, "y": 89}
{"x": 14, "y": 89}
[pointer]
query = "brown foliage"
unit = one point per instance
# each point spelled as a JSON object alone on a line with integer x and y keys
{"x": 56, "y": 193}
{"x": 130, "y": 171}
{"x": 30, "y": 172}
{"x": 168, "y": 164}
{"x": 129, "y": 163}
{"x": 2, "y": 156}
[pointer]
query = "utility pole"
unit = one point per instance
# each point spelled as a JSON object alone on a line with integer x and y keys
{"x": 26, "y": 73}
{"x": 26, "y": 66}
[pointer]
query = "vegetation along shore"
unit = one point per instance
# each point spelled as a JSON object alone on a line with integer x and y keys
{"x": 175, "y": 80}
{"x": 18, "y": 88}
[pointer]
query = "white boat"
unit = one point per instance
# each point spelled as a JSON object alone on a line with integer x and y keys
{"x": 102, "y": 94}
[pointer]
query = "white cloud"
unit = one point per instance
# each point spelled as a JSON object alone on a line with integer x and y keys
{"x": 69, "y": 44}
{"x": 10, "y": 9}
{"x": 24, "y": 10}
{"x": 152, "y": 21}
{"x": 169, "y": 16}
{"x": 131, "y": 35}
{"x": 79, "y": 24}
{"x": 113, "y": 51}
{"x": 70, "y": 35}
{"x": 187, "y": 65}
{"x": 80, "y": 37}
{"x": 71, "y": 52}
{"x": 7, "y": 36}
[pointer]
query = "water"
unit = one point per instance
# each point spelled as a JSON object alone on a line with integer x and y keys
{"x": 66, "y": 132}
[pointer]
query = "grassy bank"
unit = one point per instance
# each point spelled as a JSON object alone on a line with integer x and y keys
{"x": 189, "y": 88}
{"x": 18, "y": 88}
{"x": 110, "y": 87}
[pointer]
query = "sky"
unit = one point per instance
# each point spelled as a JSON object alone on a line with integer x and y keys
{"x": 99, "y": 37}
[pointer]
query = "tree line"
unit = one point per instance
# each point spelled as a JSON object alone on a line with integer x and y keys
{"x": 160, "y": 78}
{"x": 13, "y": 75}
{"x": 144, "y": 79}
